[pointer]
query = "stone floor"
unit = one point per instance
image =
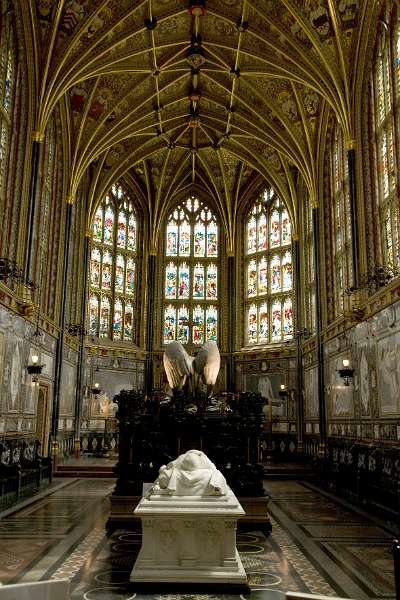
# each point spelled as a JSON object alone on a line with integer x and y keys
{"x": 318, "y": 545}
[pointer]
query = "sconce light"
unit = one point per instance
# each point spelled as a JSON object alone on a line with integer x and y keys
{"x": 34, "y": 369}
{"x": 96, "y": 389}
{"x": 283, "y": 391}
{"x": 346, "y": 373}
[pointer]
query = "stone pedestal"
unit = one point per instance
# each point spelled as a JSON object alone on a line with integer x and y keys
{"x": 189, "y": 539}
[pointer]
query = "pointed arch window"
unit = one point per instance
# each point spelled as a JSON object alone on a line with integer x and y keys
{"x": 340, "y": 218}
{"x": 269, "y": 304}
{"x": 113, "y": 266}
{"x": 309, "y": 296}
{"x": 190, "y": 276}
{"x": 8, "y": 70}
{"x": 384, "y": 130}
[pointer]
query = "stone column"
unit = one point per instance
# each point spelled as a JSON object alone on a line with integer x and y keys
{"x": 232, "y": 322}
{"x": 151, "y": 281}
{"x": 320, "y": 349}
{"x": 60, "y": 341}
{"x": 298, "y": 322}
{"x": 81, "y": 356}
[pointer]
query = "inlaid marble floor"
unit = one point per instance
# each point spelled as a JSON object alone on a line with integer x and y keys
{"x": 318, "y": 545}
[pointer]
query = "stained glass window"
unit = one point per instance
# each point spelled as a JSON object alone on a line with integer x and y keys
{"x": 198, "y": 281}
{"x": 8, "y": 69}
{"x": 340, "y": 219}
{"x": 263, "y": 330}
{"x": 120, "y": 273}
{"x": 183, "y": 325}
{"x": 308, "y": 257}
{"x": 211, "y": 282}
{"x": 113, "y": 266}
{"x": 198, "y": 325}
{"x": 191, "y": 274}
{"x": 268, "y": 271}
{"x": 130, "y": 276}
{"x": 252, "y": 278}
{"x": 105, "y": 317}
{"x": 95, "y": 267}
{"x": 211, "y": 323}
{"x": 384, "y": 126}
{"x": 276, "y": 321}
{"x": 108, "y": 230}
{"x": 170, "y": 280}
{"x": 121, "y": 233}
{"x": 106, "y": 271}
{"x": 128, "y": 320}
{"x": 199, "y": 239}
{"x": 183, "y": 281}
{"x": 49, "y": 214}
{"x": 93, "y": 314}
{"x": 132, "y": 232}
{"x": 117, "y": 322}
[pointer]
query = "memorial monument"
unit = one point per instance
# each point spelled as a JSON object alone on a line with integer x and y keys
{"x": 189, "y": 371}
{"x": 189, "y": 518}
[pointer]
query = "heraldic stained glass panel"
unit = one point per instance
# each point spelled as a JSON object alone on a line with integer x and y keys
{"x": 268, "y": 271}
{"x": 191, "y": 274}
{"x": 113, "y": 266}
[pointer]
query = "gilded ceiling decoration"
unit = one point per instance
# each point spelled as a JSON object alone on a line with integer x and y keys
{"x": 207, "y": 92}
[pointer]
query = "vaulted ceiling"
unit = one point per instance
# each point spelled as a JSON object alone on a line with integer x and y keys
{"x": 173, "y": 93}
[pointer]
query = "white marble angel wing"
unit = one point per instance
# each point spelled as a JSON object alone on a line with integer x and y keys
{"x": 207, "y": 363}
{"x": 177, "y": 364}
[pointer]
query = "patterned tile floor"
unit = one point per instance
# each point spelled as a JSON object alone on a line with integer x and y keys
{"x": 318, "y": 545}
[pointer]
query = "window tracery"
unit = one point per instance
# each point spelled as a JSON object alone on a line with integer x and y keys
{"x": 8, "y": 69}
{"x": 309, "y": 268}
{"x": 385, "y": 105}
{"x": 269, "y": 276}
{"x": 191, "y": 295}
{"x": 340, "y": 217}
{"x": 113, "y": 267}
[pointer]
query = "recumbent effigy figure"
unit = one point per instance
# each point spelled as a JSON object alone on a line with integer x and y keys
{"x": 191, "y": 474}
{"x": 181, "y": 368}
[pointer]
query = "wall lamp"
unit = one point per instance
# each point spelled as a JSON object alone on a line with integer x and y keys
{"x": 96, "y": 389}
{"x": 346, "y": 373}
{"x": 34, "y": 369}
{"x": 283, "y": 391}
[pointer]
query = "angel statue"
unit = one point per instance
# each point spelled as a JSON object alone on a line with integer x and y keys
{"x": 181, "y": 368}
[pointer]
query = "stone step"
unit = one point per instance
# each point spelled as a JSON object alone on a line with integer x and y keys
{"x": 83, "y": 467}
{"x": 84, "y": 474}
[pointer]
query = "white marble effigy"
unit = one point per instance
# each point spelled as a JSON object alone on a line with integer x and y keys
{"x": 188, "y": 538}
